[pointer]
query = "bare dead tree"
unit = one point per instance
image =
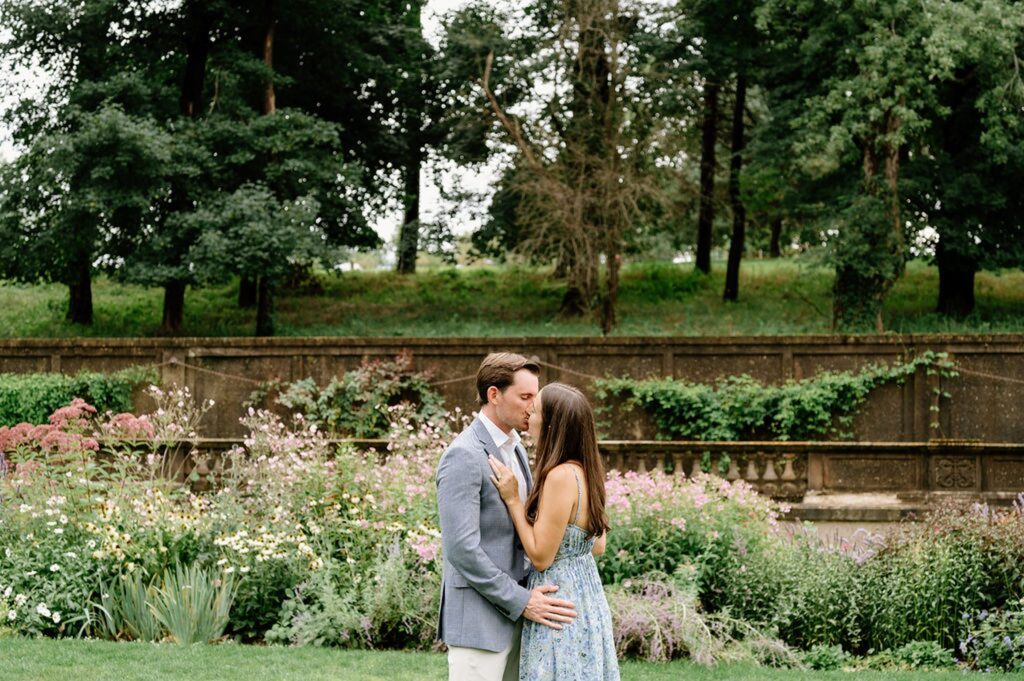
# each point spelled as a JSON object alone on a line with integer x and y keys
{"x": 580, "y": 182}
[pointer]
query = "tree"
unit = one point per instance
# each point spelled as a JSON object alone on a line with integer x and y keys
{"x": 580, "y": 164}
{"x": 862, "y": 80}
{"x": 73, "y": 40}
{"x": 251, "y": 233}
{"x": 964, "y": 184}
{"x": 71, "y": 193}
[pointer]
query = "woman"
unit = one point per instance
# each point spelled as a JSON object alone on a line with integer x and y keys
{"x": 562, "y": 526}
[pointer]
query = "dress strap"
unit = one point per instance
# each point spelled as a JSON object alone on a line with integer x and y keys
{"x": 579, "y": 495}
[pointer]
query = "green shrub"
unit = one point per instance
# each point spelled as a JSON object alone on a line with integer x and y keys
{"x": 742, "y": 408}
{"x": 31, "y": 398}
{"x": 357, "y": 404}
{"x": 821, "y": 603}
{"x": 922, "y": 655}
{"x": 825, "y": 658}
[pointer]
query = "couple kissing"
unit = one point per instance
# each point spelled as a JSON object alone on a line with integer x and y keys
{"x": 521, "y": 597}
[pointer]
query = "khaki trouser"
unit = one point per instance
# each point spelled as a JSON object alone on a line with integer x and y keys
{"x": 472, "y": 664}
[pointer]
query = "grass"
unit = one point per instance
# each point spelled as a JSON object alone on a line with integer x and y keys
{"x": 44, "y": 660}
{"x": 781, "y": 297}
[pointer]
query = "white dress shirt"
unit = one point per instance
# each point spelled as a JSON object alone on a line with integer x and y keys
{"x": 506, "y": 444}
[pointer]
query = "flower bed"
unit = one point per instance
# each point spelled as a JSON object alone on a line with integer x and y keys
{"x": 305, "y": 542}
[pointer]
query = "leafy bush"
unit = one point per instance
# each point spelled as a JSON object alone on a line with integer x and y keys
{"x": 825, "y": 658}
{"x": 356, "y": 404}
{"x": 923, "y": 655}
{"x": 995, "y": 641}
{"x": 743, "y": 408}
{"x": 31, "y": 398}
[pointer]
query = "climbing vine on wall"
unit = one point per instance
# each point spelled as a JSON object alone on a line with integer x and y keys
{"x": 743, "y": 408}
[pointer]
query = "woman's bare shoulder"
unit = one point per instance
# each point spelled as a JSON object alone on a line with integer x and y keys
{"x": 566, "y": 473}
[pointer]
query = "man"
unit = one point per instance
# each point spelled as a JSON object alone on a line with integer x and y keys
{"x": 483, "y": 599}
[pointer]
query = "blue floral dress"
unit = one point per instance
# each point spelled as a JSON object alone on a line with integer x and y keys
{"x": 583, "y": 650}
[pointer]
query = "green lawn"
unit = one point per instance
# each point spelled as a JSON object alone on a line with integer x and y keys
{"x": 776, "y": 297}
{"x": 47, "y": 660}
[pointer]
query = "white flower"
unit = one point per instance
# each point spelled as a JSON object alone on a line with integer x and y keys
{"x": 58, "y": 530}
{"x": 43, "y": 610}
{"x": 244, "y": 569}
{"x": 55, "y": 568}
{"x": 7, "y": 592}
{"x": 63, "y": 520}
{"x": 20, "y": 600}
{"x": 12, "y": 615}
{"x": 56, "y": 618}
{"x": 229, "y": 569}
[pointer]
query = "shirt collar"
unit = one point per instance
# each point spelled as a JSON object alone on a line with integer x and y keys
{"x": 501, "y": 439}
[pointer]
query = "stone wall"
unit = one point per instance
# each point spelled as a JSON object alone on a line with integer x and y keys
{"x": 987, "y": 401}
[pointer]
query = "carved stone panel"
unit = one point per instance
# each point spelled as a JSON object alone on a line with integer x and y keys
{"x": 1005, "y": 475}
{"x": 871, "y": 473}
{"x": 954, "y": 473}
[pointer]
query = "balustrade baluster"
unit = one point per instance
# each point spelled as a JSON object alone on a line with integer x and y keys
{"x": 734, "y": 470}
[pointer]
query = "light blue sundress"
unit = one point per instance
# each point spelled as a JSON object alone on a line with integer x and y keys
{"x": 583, "y": 650}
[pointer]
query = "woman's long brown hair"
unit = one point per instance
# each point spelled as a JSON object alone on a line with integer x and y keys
{"x": 568, "y": 434}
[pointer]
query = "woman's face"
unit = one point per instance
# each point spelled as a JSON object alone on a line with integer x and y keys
{"x": 536, "y": 420}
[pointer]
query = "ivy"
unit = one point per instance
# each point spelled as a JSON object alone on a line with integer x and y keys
{"x": 743, "y": 408}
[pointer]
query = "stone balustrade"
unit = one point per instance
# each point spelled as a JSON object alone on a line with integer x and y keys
{"x": 885, "y": 481}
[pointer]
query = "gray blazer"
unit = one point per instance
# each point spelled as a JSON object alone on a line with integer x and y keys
{"x": 484, "y": 561}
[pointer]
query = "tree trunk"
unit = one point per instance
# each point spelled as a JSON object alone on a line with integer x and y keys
{"x": 860, "y": 286}
{"x": 264, "y": 291}
{"x": 174, "y": 308}
{"x": 80, "y": 295}
{"x": 956, "y": 281}
{"x": 247, "y": 293}
{"x": 775, "y": 247}
{"x": 705, "y": 220}
{"x": 739, "y": 214}
{"x": 574, "y": 302}
{"x": 190, "y": 106}
{"x": 195, "y": 63}
{"x": 269, "y": 96}
{"x": 409, "y": 238}
{"x": 611, "y": 296}
{"x": 265, "y": 309}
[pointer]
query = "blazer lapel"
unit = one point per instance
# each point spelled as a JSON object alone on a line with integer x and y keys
{"x": 487, "y": 441}
{"x": 485, "y": 438}
{"x": 524, "y": 461}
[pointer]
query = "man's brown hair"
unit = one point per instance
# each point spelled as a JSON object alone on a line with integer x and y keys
{"x": 499, "y": 369}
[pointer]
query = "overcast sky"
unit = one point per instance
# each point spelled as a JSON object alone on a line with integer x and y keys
{"x": 464, "y": 217}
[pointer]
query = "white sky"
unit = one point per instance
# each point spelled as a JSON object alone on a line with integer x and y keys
{"x": 479, "y": 181}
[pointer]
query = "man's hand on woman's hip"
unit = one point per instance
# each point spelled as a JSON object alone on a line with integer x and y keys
{"x": 550, "y": 612}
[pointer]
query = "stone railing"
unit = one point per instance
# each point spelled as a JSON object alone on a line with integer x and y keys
{"x": 842, "y": 481}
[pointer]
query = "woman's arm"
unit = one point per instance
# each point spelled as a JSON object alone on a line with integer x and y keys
{"x": 540, "y": 540}
{"x": 599, "y": 545}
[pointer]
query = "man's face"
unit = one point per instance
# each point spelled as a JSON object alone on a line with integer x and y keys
{"x": 514, "y": 405}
